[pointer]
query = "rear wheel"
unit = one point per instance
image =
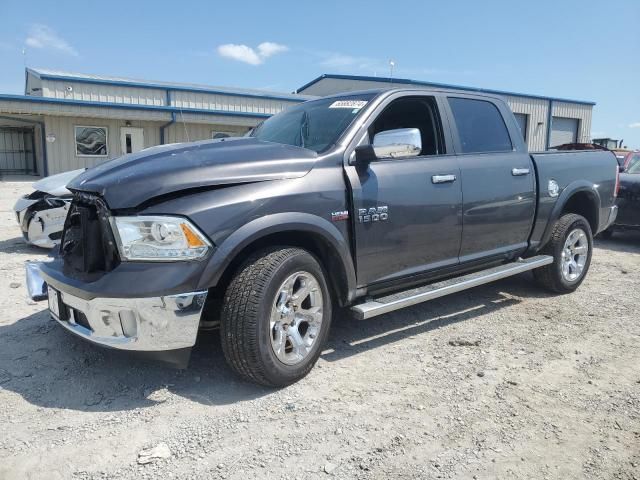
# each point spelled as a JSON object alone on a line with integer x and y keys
{"x": 276, "y": 315}
{"x": 571, "y": 245}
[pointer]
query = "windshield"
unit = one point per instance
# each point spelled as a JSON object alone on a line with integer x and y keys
{"x": 634, "y": 164}
{"x": 315, "y": 125}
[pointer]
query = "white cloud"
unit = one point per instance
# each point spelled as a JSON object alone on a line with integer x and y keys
{"x": 267, "y": 49}
{"x": 241, "y": 53}
{"x": 634, "y": 125}
{"x": 41, "y": 36}
{"x": 246, "y": 54}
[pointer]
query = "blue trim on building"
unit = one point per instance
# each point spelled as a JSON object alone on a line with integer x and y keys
{"x": 407, "y": 81}
{"x": 128, "y": 106}
{"x": 170, "y": 122}
{"x": 159, "y": 86}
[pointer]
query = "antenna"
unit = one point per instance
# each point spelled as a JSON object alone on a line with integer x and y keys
{"x": 391, "y": 65}
{"x": 24, "y": 56}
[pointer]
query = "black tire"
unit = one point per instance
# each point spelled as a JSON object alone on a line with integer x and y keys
{"x": 245, "y": 329}
{"x": 550, "y": 276}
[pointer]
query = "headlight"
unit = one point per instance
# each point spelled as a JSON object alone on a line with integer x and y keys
{"x": 158, "y": 238}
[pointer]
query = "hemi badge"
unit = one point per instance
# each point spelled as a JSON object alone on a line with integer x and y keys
{"x": 338, "y": 216}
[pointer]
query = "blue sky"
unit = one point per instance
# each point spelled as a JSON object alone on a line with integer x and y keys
{"x": 574, "y": 49}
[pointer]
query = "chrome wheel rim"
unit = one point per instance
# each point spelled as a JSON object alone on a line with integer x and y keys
{"x": 574, "y": 255}
{"x": 296, "y": 318}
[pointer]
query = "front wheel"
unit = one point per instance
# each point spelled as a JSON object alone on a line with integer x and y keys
{"x": 275, "y": 317}
{"x": 570, "y": 246}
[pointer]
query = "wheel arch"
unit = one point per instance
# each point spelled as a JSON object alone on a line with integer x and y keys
{"x": 580, "y": 197}
{"x": 307, "y": 231}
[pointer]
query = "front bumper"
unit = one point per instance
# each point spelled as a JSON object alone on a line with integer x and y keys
{"x": 40, "y": 227}
{"x": 148, "y": 324}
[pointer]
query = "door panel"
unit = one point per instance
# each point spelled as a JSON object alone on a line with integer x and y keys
{"x": 423, "y": 225}
{"x": 498, "y": 205}
{"x": 563, "y": 130}
{"x": 498, "y": 179}
{"x": 132, "y": 139}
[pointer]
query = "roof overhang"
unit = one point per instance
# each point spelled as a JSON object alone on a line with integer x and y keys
{"x": 395, "y": 82}
{"x": 24, "y": 104}
{"x": 174, "y": 87}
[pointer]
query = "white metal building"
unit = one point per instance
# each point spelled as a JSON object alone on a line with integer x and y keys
{"x": 544, "y": 121}
{"x": 66, "y": 121}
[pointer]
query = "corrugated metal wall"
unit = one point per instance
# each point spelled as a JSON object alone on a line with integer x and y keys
{"x": 179, "y": 132}
{"x": 536, "y": 112}
{"x": 158, "y": 97}
{"x": 228, "y": 103}
{"x": 62, "y": 153}
{"x": 103, "y": 93}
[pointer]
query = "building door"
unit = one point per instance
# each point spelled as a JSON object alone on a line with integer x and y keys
{"x": 132, "y": 139}
{"x": 17, "y": 150}
{"x": 563, "y": 130}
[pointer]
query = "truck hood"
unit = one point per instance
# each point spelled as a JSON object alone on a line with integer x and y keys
{"x": 55, "y": 184}
{"x": 128, "y": 181}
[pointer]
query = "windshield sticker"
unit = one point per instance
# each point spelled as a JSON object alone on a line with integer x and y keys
{"x": 353, "y": 104}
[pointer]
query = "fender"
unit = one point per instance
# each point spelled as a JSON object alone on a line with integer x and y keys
{"x": 277, "y": 223}
{"x": 567, "y": 192}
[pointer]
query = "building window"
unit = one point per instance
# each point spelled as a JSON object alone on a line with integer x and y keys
{"x": 91, "y": 141}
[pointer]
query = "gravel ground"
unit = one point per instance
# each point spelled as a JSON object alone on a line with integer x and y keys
{"x": 542, "y": 387}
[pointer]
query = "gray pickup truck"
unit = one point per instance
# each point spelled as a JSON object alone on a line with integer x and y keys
{"x": 369, "y": 201}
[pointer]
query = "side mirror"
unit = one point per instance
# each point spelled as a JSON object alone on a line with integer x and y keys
{"x": 398, "y": 143}
{"x": 363, "y": 156}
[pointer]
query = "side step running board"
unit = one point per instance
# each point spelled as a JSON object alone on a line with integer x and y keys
{"x": 414, "y": 296}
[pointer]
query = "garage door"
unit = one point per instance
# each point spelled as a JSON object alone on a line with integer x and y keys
{"x": 521, "y": 118}
{"x": 563, "y": 130}
{"x": 16, "y": 150}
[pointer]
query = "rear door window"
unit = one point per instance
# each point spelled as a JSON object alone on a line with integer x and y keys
{"x": 480, "y": 126}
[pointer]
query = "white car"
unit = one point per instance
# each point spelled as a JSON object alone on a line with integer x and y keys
{"x": 41, "y": 214}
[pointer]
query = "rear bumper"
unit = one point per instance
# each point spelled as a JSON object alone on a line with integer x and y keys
{"x": 613, "y": 214}
{"x": 146, "y": 324}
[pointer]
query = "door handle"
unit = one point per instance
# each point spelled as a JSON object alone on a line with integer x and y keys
{"x": 443, "y": 178}
{"x": 517, "y": 172}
